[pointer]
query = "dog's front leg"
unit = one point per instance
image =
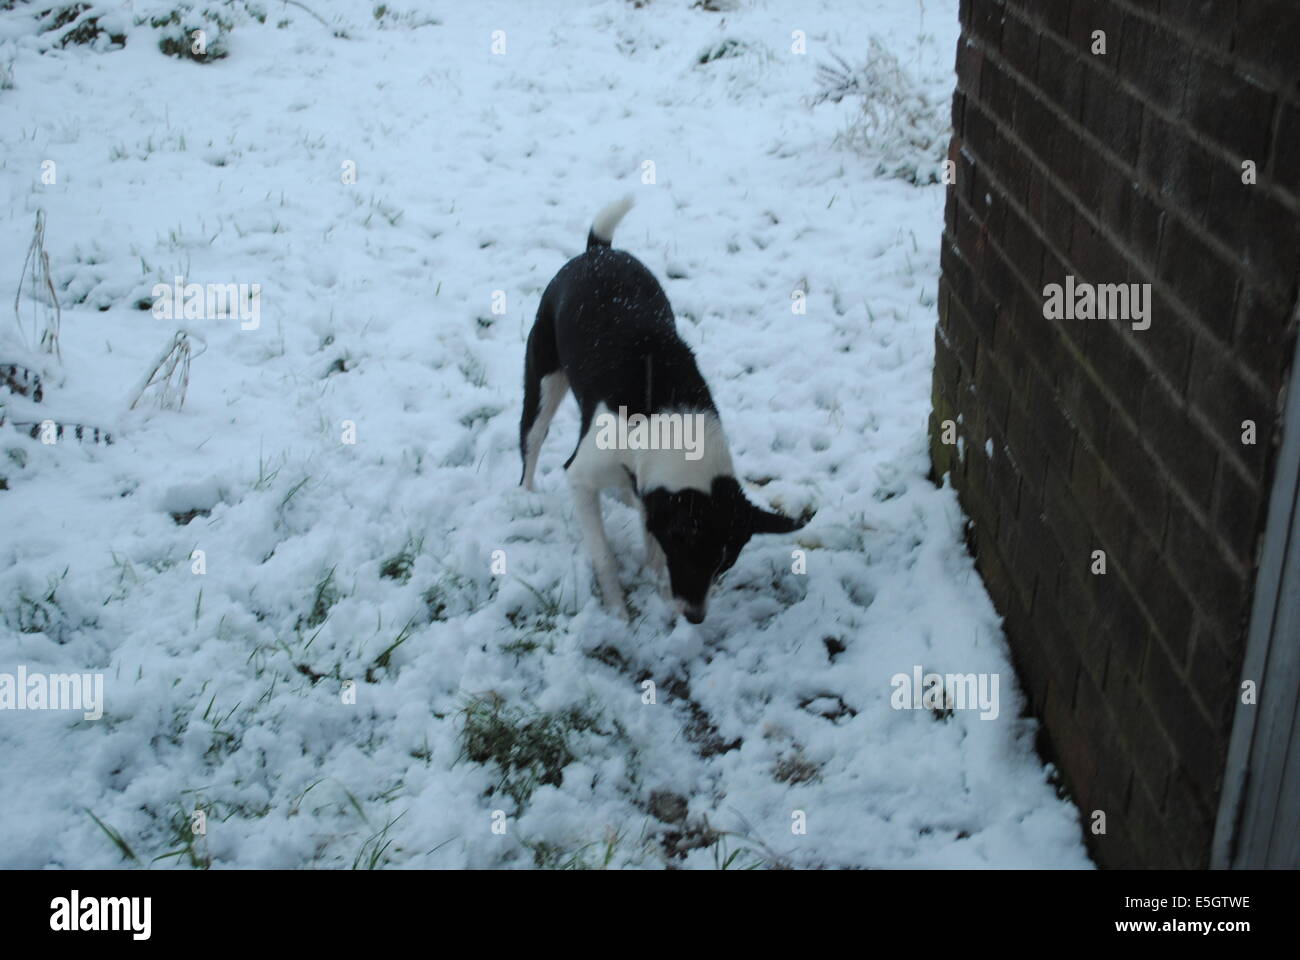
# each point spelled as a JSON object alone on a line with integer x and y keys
{"x": 587, "y": 503}
{"x": 654, "y": 556}
{"x": 659, "y": 566}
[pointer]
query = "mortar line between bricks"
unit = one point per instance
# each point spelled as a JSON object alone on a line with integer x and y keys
{"x": 1220, "y": 153}
{"x": 1202, "y": 519}
{"x": 1125, "y": 251}
{"x": 1122, "y": 568}
{"x": 1202, "y": 46}
{"x": 1157, "y": 21}
{"x": 1132, "y": 751}
{"x": 1081, "y": 360}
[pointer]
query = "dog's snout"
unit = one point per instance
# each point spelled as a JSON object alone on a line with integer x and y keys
{"x": 693, "y": 612}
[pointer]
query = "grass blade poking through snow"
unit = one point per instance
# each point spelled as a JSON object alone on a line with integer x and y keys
{"x": 37, "y": 266}
{"x": 169, "y": 377}
{"x": 121, "y": 844}
{"x": 898, "y": 125}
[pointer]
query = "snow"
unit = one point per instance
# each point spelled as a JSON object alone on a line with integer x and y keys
{"x": 478, "y": 174}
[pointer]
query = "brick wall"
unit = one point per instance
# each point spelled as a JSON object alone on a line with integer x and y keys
{"x": 1122, "y": 167}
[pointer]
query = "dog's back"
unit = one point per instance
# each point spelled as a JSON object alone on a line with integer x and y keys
{"x": 616, "y": 338}
{"x": 605, "y": 330}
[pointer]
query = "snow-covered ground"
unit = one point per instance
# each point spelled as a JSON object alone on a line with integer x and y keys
{"x": 500, "y": 720}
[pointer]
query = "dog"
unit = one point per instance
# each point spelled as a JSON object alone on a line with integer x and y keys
{"x": 606, "y": 332}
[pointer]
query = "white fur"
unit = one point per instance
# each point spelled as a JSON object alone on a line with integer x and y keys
{"x": 605, "y": 222}
{"x": 594, "y": 469}
{"x": 598, "y": 469}
{"x": 554, "y": 387}
{"x": 587, "y": 503}
{"x": 672, "y": 470}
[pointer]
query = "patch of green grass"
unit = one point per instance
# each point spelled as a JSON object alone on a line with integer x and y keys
{"x": 223, "y": 740}
{"x": 42, "y": 614}
{"x": 454, "y": 594}
{"x": 118, "y": 841}
{"x": 533, "y": 622}
{"x": 293, "y": 491}
{"x": 597, "y": 855}
{"x": 374, "y": 851}
{"x": 479, "y": 416}
{"x": 399, "y": 566}
{"x": 530, "y": 749}
{"x": 185, "y": 841}
{"x": 741, "y": 858}
{"x": 201, "y": 36}
{"x": 795, "y": 768}
{"x": 435, "y": 600}
{"x": 381, "y": 662}
{"x": 88, "y": 31}
{"x": 386, "y": 18}
{"x": 550, "y": 609}
{"x": 327, "y": 594}
{"x": 525, "y": 645}
{"x": 544, "y": 620}
{"x": 473, "y": 370}
{"x": 264, "y": 478}
{"x": 724, "y": 50}
{"x": 185, "y": 46}
{"x": 614, "y": 851}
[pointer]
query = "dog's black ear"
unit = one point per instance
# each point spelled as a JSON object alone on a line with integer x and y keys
{"x": 763, "y": 521}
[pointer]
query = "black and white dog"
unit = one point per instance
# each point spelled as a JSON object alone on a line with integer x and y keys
{"x": 605, "y": 330}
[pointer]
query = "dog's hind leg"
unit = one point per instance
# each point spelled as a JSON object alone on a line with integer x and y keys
{"x": 544, "y": 388}
{"x": 553, "y": 388}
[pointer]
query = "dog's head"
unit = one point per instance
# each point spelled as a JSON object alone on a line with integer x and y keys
{"x": 702, "y": 534}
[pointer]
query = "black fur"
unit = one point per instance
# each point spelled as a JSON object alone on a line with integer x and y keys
{"x": 702, "y": 535}
{"x": 606, "y": 322}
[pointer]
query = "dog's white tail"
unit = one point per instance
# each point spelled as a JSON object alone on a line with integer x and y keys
{"x": 602, "y": 228}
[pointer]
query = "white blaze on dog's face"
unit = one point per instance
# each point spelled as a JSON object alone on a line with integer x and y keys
{"x": 702, "y": 534}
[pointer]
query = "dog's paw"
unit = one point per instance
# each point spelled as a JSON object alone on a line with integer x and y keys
{"x": 617, "y": 607}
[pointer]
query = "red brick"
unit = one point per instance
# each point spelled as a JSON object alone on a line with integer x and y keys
{"x": 1154, "y": 60}
{"x": 1268, "y": 35}
{"x": 1179, "y": 169}
{"x": 1233, "y": 111}
{"x": 1060, "y": 76}
{"x": 1140, "y": 474}
{"x": 1186, "y": 452}
{"x": 1112, "y": 115}
{"x": 986, "y": 22}
{"x": 1088, "y": 16}
{"x": 1110, "y": 350}
{"x": 1223, "y": 395}
{"x": 1273, "y": 245}
{"x": 1020, "y": 46}
{"x": 1284, "y": 170}
{"x": 1122, "y": 169}
{"x": 1210, "y": 21}
{"x": 1189, "y": 815}
{"x": 1201, "y": 278}
{"x": 1261, "y": 339}
{"x": 1199, "y": 748}
{"x": 1214, "y": 678}
{"x": 1221, "y": 589}
{"x": 1166, "y": 345}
